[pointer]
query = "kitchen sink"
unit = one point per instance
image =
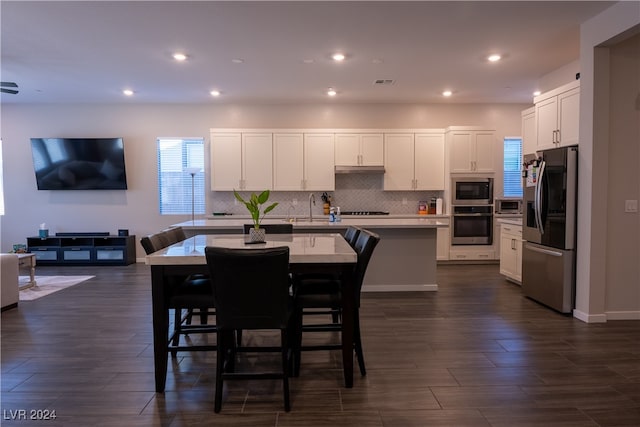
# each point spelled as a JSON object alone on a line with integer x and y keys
{"x": 305, "y": 220}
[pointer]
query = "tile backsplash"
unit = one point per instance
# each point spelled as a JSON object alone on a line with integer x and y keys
{"x": 354, "y": 192}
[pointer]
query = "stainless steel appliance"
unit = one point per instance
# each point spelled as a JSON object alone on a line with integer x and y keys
{"x": 472, "y": 225}
{"x": 549, "y": 228}
{"x": 508, "y": 206}
{"x": 472, "y": 191}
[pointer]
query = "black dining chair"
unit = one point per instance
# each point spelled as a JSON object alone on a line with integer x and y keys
{"x": 326, "y": 294}
{"x": 284, "y": 228}
{"x": 251, "y": 292}
{"x": 188, "y": 293}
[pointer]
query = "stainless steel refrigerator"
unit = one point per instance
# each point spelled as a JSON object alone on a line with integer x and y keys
{"x": 549, "y": 227}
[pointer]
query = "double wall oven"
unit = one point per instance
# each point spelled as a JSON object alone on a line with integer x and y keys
{"x": 472, "y": 213}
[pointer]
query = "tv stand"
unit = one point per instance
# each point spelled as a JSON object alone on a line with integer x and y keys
{"x": 83, "y": 249}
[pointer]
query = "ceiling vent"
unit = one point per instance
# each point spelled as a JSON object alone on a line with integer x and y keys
{"x": 383, "y": 82}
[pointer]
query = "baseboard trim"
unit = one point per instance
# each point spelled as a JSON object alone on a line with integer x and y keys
{"x": 400, "y": 288}
{"x": 623, "y": 315}
{"x": 589, "y": 318}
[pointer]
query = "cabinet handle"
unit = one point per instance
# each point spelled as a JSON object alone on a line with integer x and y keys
{"x": 513, "y": 244}
{"x": 558, "y": 136}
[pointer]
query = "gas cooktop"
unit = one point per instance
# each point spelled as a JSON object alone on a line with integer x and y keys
{"x": 364, "y": 213}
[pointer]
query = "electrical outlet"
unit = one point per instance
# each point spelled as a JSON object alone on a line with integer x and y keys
{"x": 294, "y": 202}
{"x": 631, "y": 206}
{"x": 235, "y": 202}
{"x": 404, "y": 201}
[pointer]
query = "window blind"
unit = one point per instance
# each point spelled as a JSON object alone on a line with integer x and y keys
{"x": 177, "y": 157}
{"x": 512, "y": 178}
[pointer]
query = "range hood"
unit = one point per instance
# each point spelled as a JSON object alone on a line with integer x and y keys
{"x": 359, "y": 169}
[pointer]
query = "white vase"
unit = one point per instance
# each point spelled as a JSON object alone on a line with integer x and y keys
{"x": 257, "y": 234}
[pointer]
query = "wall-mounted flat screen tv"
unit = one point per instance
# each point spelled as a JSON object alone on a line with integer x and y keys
{"x": 79, "y": 163}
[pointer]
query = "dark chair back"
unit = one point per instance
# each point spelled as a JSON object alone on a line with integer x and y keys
{"x": 351, "y": 234}
{"x": 364, "y": 246}
{"x": 284, "y": 228}
{"x": 147, "y": 245}
{"x": 250, "y": 286}
{"x": 176, "y": 234}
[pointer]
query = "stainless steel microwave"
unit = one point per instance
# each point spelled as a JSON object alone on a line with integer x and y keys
{"x": 472, "y": 191}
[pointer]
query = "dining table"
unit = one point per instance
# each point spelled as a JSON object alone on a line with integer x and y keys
{"x": 308, "y": 253}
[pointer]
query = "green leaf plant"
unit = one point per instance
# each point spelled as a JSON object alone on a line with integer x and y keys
{"x": 254, "y": 205}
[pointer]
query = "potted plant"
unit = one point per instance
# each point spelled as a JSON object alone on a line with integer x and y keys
{"x": 256, "y": 234}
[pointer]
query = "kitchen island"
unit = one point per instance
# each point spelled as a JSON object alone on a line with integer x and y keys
{"x": 404, "y": 260}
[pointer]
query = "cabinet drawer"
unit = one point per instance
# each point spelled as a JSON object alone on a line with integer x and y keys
{"x": 472, "y": 255}
{"x": 110, "y": 254}
{"x": 44, "y": 254}
{"x": 76, "y": 254}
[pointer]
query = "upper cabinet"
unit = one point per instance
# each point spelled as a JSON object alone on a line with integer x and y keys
{"x": 241, "y": 161}
{"x": 529, "y": 139}
{"x": 471, "y": 149}
{"x": 414, "y": 161}
{"x": 557, "y": 116}
{"x": 303, "y": 162}
{"x": 359, "y": 149}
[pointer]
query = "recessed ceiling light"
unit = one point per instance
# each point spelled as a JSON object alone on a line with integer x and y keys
{"x": 447, "y": 93}
{"x": 494, "y": 58}
{"x": 178, "y": 56}
{"x": 128, "y": 92}
{"x": 215, "y": 93}
{"x": 377, "y": 61}
{"x": 536, "y": 93}
{"x": 338, "y": 57}
{"x": 331, "y": 92}
{"x": 308, "y": 61}
{"x": 237, "y": 60}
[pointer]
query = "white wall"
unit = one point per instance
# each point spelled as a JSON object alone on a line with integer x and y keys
{"x": 137, "y": 208}
{"x": 622, "y": 298}
{"x": 596, "y": 36}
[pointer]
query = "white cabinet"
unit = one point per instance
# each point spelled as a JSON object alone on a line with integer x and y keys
{"x": 511, "y": 252}
{"x": 359, "y": 149}
{"x": 241, "y": 161}
{"x": 443, "y": 244}
{"x": 557, "y": 117}
{"x": 471, "y": 150}
{"x": 529, "y": 139}
{"x": 414, "y": 161}
{"x": 458, "y": 253}
{"x": 303, "y": 162}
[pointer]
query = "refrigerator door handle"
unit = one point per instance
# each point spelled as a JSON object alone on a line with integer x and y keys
{"x": 543, "y": 251}
{"x": 538, "y": 199}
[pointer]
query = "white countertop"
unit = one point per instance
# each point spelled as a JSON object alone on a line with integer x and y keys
{"x": 305, "y": 248}
{"x": 322, "y": 222}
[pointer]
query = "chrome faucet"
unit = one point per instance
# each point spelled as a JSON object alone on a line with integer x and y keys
{"x": 312, "y": 198}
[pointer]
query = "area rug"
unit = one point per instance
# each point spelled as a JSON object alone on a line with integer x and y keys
{"x": 46, "y": 285}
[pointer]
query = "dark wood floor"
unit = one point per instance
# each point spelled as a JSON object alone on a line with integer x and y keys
{"x": 475, "y": 353}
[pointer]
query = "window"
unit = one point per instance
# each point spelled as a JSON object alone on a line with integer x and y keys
{"x": 512, "y": 178}
{"x": 178, "y": 159}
